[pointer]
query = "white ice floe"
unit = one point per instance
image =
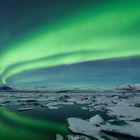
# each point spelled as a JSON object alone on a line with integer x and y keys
{"x": 60, "y": 103}
{"x": 59, "y": 137}
{"x": 56, "y": 105}
{"x": 134, "y": 87}
{"x": 96, "y": 120}
{"x": 77, "y": 137}
{"x": 84, "y": 127}
{"x": 52, "y": 98}
{"x": 81, "y": 102}
{"x": 51, "y": 107}
{"x": 131, "y": 129}
{"x": 125, "y": 111}
{"x": 25, "y": 109}
{"x": 66, "y": 103}
{"x": 84, "y": 108}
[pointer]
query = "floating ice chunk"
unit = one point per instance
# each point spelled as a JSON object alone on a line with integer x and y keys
{"x": 56, "y": 105}
{"x": 77, "y": 137}
{"x": 60, "y": 103}
{"x": 25, "y": 109}
{"x": 134, "y": 87}
{"x": 125, "y": 111}
{"x": 122, "y": 103}
{"x": 52, "y": 98}
{"x": 66, "y": 103}
{"x": 84, "y": 108}
{"x": 131, "y": 129}
{"x": 5, "y": 101}
{"x": 83, "y": 127}
{"x": 59, "y": 137}
{"x": 81, "y": 102}
{"x": 51, "y": 107}
{"x": 96, "y": 120}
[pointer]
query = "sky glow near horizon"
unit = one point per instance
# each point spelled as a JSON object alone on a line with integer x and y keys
{"x": 66, "y": 35}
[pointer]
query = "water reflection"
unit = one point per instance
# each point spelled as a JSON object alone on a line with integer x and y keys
{"x": 14, "y": 126}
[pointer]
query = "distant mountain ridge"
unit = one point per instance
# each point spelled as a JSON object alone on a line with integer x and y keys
{"x": 121, "y": 88}
{"x": 130, "y": 87}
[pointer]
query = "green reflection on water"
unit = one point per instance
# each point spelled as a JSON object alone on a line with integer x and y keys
{"x": 15, "y": 127}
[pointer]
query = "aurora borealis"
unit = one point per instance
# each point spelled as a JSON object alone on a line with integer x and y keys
{"x": 48, "y": 42}
{"x": 28, "y": 128}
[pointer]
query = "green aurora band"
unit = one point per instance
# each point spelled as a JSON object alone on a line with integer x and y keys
{"x": 105, "y": 32}
{"x": 23, "y": 127}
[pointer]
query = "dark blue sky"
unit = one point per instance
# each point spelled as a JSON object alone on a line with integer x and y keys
{"x": 102, "y": 28}
{"x": 103, "y": 73}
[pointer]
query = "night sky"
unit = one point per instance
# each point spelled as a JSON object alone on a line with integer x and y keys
{"x": 69, "y": 43}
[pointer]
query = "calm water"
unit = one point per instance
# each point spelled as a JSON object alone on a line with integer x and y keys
{"x": 41, "y": 123}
